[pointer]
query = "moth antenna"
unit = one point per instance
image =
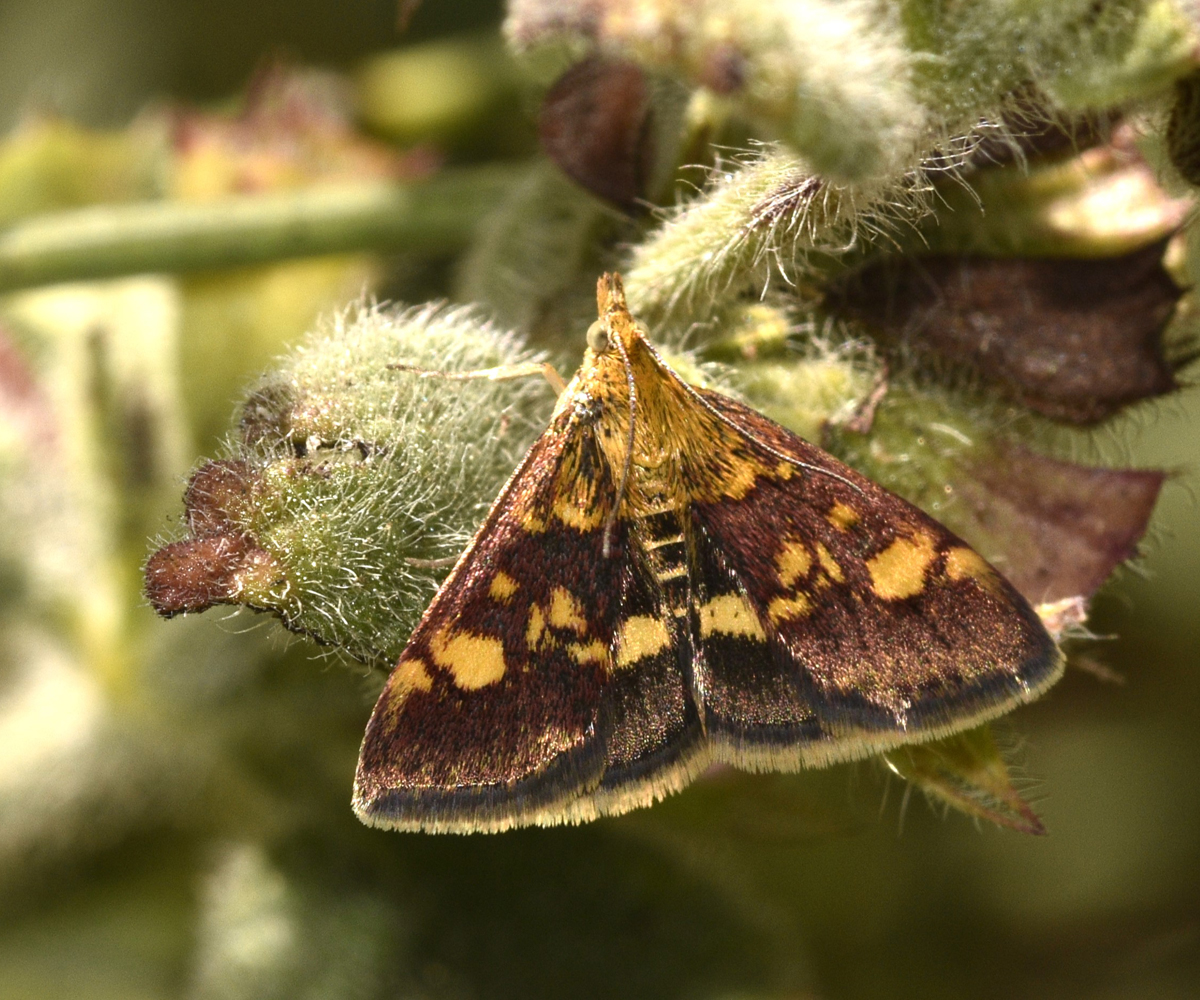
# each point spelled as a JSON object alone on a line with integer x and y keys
{"x": 497, "y": 374}
{"x": 627, "y": 465}
{"x": 442, "y": 563}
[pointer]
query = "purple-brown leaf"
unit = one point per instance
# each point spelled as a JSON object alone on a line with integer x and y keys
{"x": 594, "y": 124}
{"x": 1074, "y": 340}
{"x": 1055, "y": 529}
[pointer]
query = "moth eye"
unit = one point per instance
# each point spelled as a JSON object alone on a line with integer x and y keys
{"x": 597, "y": 337}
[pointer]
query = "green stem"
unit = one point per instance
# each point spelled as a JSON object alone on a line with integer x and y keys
{"x": 104, "y": 241}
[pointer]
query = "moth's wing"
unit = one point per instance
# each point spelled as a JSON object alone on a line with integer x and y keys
{"x": 654, "y": 740}
{"x": 836, "y": 619}
{"x": 513, "y": 700}
{"x": 490, "y": 713}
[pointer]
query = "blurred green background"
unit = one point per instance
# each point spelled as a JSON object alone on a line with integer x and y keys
{"x": 822, "y": 885}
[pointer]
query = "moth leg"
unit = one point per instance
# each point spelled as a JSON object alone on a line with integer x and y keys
{"x": 444, "y": 563}
{"x": 543, "y": 368}
{"x": 863, "y": 418}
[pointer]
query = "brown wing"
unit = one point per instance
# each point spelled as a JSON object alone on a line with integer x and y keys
{"x": 836, "y": 619}
{"x": 531, "y": 692}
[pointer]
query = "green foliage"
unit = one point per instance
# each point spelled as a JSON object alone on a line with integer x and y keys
{"x": 347, "y": 488}
{"x": 174, "y": 815}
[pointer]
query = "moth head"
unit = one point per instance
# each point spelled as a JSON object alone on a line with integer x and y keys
{"x": 599, "y": 338}
{"x": 616, "y": 330}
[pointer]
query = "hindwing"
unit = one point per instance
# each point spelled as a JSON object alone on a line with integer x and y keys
{"x": 840, "y": 620}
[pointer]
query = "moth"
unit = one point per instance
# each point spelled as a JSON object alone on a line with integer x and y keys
{"x": 668, "y": 580}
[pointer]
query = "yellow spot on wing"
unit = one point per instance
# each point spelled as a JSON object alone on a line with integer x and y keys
{"x": 474, "y": 661}
{"x": 730, "y": 614}
{"x": 784, "y": 609}
{"x": 410, "y": 675}
{"x": 899, "y": 570}
{"x": 503, "y": 587}
{"x": 535, "y": 628}
{"x": 565, "y": 611}
{"x": 842, "y": 516}
{"x": 963, "y": 563}
{"x": 575, "y": 499}
{"x": 532, "y": 522}
{"x": 719, "y": 470}
{"x": 641, "y": 636}
{"x": 737, "y": 480}
{"x": 785, "y": 470}
{"x": 829, "y": 564}
{"x": 794, "y": 561}
{"x": 594, "y": 652}
{"x": 582, "y": 516}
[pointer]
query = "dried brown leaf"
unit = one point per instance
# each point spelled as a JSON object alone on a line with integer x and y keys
{"x": 1060, "y": 528}
{"x": 1074, "y": 340}
{"x": 594, "y": 124}
{"x": 220, "y": 560}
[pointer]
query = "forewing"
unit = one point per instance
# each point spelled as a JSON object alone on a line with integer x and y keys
{"x": 838, "y": 619}
{"x": 490, "y": 715}
{"x": 545, "y": 682}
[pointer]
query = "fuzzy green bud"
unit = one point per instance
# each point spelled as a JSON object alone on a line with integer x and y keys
{"x": 967, "y": 773}
{"x": 809, "y": 392}
{"x": 771, "y": 220}
{"x": 1113, "y": 53}
{"x": 1104, "y": 202}
{"x": 352, "y": 483}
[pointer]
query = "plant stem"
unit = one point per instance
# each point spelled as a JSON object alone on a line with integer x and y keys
{"x": 104, "y": 241}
